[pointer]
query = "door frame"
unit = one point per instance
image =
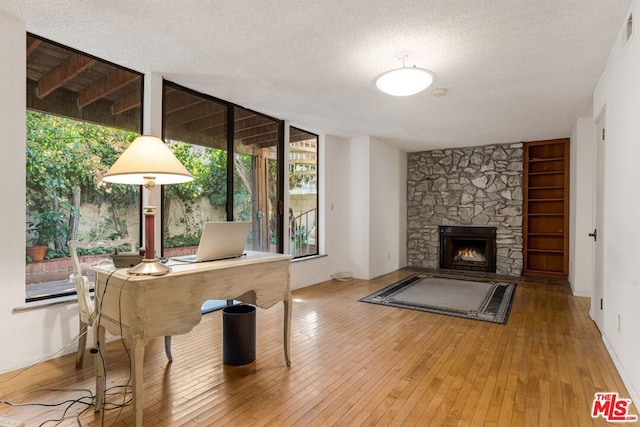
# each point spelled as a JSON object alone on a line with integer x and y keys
{"x": 598, "y": 293}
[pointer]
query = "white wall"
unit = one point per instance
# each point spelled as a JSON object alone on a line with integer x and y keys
{"x": 334, "y": 192}
{"x": 358, "y": 215}
{"x": 619, "y": 90}
{"x": 388, "y": 208}
{"x": 26, "y": 337}
{"x": 582, "y": 169}
{"x": 365, "y": 211}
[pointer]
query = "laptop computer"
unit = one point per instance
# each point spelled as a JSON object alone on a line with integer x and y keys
{"x": 220, "y": 240}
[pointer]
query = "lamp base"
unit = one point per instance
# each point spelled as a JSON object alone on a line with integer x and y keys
{"x": 149, "y": 267}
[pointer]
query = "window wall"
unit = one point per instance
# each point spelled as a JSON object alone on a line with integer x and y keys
{"x": 82, "y": 112}
{"x": 256, "y": 185}
{"x": 233, "y": 154}
{"x": 303, "y": 193}
{"x": 196, "y": 128}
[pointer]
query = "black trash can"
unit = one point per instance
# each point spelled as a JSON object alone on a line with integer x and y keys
{"x": 238, "y": 334}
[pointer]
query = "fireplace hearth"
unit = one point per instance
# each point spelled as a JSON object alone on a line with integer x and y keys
{"x": 468, "y": 248}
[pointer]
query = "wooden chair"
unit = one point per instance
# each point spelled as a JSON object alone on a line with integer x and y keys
{"x": 86, "y": 307}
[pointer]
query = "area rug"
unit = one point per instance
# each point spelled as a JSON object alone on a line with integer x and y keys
{"x": 486, "y": 301}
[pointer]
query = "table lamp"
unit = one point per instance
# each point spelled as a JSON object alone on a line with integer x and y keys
{"x": 148, "y": 161}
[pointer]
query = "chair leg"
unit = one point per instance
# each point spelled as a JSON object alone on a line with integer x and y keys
{"x": 82, "y": 344}
{"x": 167, "y": 347}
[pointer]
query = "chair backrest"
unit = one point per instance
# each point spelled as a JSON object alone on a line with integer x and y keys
{"x": 79, "y": 272}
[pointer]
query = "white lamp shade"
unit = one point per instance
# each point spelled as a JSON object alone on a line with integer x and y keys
{"x": 147, "y": 157}
{"x": 404, "y": 81}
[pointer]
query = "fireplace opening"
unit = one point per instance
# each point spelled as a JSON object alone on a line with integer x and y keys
{"x": 468, "y": 248}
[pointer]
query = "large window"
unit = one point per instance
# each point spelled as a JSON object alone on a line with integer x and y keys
{"x": 303, "y": 193}
{"x": 233, "y": 154}
{"x": 82, "y": 112}
{"x": 255, "y": 184}
{"x": 195, "y": 127}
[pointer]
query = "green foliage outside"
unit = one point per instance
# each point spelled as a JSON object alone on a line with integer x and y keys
{"x": 209, "y": 169}
{"x": 66, "y": 160}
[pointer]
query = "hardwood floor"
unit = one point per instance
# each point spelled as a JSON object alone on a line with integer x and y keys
{"x": 354, "y": 363}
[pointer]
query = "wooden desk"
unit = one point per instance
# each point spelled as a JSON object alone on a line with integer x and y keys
{"x": 143, "y": 307}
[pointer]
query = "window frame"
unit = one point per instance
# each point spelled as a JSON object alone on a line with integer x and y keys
{"x": 318, "y": 188}
{"x": 36, "y": 105}
{"x": 230, "y": 134}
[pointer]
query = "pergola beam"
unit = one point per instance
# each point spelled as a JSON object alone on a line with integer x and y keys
{"x": 100, "y": 89}
{"x": 127, "y": 102}
{"x": 32, "y": 45}
{"x": 190, "y": 114}
{"x": 64, "y": 72}
{"x": 177, "y": 101}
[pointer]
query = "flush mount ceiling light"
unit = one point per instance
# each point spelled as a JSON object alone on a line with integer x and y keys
{"x": 404, "y": 81}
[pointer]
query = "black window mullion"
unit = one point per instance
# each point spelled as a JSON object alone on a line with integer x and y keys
{"x": 281, "y": 177}
{"x": 230, "y": 155}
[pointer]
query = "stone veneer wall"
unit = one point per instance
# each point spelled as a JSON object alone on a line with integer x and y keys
{"x": 477, "y": 186}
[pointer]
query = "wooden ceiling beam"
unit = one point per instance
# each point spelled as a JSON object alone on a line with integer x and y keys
{"x": 216, "y": 120}
{"x": 250, "y": 122}
{"x": 199, "y": 138}
{"x": 178, "y": 100}
{"x": 32, "y": 45}
{"x": 63, "y": 102}
{"x": 249, "y": 126}
{"x": 103, "y": 87}
{"x": 127, "y": 102}
{"x": 255, "y": 132}
{"x": 64, "y": 72}
{"x": 260, "y": 141}
{"x": 190, "y": 114}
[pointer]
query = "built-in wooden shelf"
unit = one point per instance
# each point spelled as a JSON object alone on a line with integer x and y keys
{"x": 550, "y": 187}
{"x": 546, "y": 208}
{"x": 550, "y": 251}
{"x": 546, "y": 173}
{"x": 543, "y": 273}
{"x": 553, "y": 159}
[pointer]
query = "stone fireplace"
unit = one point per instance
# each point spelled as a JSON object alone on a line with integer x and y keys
{"x": 468, "y": 248}
{"x": 465, "y": 187}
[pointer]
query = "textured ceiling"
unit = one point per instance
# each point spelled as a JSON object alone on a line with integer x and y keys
{"x": 515, "y": 70}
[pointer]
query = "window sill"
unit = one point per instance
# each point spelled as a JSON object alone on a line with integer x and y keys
{"x": 37, "y": 305}
{"x": 310, "y": 257}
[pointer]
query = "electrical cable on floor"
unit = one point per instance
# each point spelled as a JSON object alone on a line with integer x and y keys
{"x": 124, "y": 344}
{"x": 44, "y": 359}
{"x": 69, "y": 402}
{"x": 342, "y": 276}
{"x": 87, "y": 400}
{"x": 102, "y": 359}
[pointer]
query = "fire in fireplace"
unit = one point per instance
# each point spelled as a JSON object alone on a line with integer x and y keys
{"x": 470, "y": 255}
{"x": 468, "y": 248}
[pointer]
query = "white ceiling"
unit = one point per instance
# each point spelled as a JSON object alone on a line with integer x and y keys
{"x": 515, "y": 70}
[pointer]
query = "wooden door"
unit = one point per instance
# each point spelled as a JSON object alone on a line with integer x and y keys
{"x": 546, "y": 208}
